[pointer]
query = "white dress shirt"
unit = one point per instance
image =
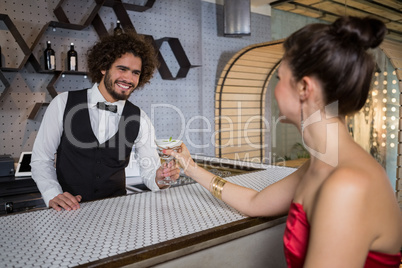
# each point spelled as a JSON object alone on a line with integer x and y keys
{"x": 104, "y": 125}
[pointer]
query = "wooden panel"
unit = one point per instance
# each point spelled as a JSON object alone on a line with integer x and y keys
{"x": 308, "y": 2}
{"x": 396, "y": 26}
{"x": 395, "y": 4}
{"x": 235, "y": 134}
{"x": 228, "y": 96}
{"x": 397, "y": 63}
{"x": 241, "y": 125}
{"x": 243, "y": 104}
{"x": 246, "y": 121}
{"x": 236, "y": 119}
{"x": 296, "y": 163}
{"x": 372, "y": 8}
{"x": 254, "y": 156}
{"x": 399, "y": 185}
{"x": 329, "y": 18}
{"x": 309, "y": 12}
{"x": 241, "y": 140}
{"x": 237, "y": 149}
{"x": 337, "y": 9}
{"x": 284, "y": 6}
{"x": 245, "y": 76}
{"x": 391, "y": 45}
{"x": 274, "y": 53}
{"x": 399, "y": 195}
{"x": 399, "y": 160}
{"x": 254, "y": 63}
{"x": 241, "y": 133}
{"x": 239, "y": 97}
{"x": 262, "y": 57}
{"x": 240, "y": 89}
{"x": 394, "y": 36}
{"x": 248, "y": 69}
{"x": 235, "y": 111}
{"x": 244, "y": 83}
{"x": 274, "y": 50}
{"x": 399, "y": 172}
{"x": 393, "y": 54}
{"x": 247, "y": 129}
{"x": 399, "y": 75}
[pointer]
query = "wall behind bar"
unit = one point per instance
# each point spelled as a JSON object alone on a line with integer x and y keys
{"x": 175, "y": 106}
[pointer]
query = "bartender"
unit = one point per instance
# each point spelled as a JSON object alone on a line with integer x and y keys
{"x": 86, "y": 137}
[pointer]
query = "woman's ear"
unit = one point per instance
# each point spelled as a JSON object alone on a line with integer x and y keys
{"x": 305, "y": 87}
{"x": 103, "y": 72}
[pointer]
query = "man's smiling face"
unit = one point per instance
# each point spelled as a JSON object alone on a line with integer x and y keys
{"x": 122, "y": 78}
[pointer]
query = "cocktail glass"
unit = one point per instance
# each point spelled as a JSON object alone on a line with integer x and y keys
{"x": 167, "y": 144}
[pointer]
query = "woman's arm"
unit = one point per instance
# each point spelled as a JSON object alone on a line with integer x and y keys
{"x": 271, "y": 201}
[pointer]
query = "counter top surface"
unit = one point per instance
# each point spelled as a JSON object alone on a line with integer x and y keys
{"x": 109, "y": 227}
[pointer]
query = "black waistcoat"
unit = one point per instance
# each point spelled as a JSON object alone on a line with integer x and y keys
{"x": 86, "y": 167}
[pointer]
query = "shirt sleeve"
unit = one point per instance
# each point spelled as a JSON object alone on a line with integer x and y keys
{"x": 45, "y": 147}
{"x": 145, "y": 152}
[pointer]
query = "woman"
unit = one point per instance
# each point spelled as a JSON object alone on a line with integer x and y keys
{"x": 342, "y": 210}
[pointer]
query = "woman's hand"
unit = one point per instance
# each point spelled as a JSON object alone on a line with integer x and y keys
{"x": 171, "y": 170}
{"x": 184, "y": 158}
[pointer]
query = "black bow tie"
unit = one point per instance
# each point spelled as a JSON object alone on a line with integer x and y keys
{"x": 110, "y": 108}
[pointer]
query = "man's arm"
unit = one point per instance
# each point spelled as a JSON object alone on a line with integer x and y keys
{"x": 43, "y": 154}
{"x": 146, "y": 154}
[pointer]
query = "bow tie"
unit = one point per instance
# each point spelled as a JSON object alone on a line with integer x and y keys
{"x": 106, "y": 107}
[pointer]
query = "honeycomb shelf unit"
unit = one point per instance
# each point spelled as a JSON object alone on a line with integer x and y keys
{"x": 92, "y": 19}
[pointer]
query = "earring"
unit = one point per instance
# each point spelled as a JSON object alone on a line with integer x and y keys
{"x": 301, "y": 117}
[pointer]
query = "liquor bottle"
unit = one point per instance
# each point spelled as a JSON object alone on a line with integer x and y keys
{"x": 117, "y": 30}
{"x": 72, "y": 63}
{"x": 50, "y": 59}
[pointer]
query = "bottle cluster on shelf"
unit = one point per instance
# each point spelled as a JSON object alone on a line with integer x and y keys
{"x": 50, "y": 58}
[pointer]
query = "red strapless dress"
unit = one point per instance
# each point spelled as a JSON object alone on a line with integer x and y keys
{"x": 296, "y": 241}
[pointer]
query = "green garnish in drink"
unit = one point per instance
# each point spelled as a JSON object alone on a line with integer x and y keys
{"x": 170, "y": 140}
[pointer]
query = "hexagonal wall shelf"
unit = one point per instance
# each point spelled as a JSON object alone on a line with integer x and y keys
{"x": 93, "y": 18}
{"x": 180, "y": 56}
{"x": 64, "y": 22}
{"x": 127, "y": 6}
{"x": 18, "y": 38}
{"x": 5, "y": 87}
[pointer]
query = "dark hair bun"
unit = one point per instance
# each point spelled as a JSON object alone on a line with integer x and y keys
{"x": 366, "y": 32}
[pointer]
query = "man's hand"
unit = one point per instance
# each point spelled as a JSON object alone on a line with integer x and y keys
{"x": 66, "y": 201}
{"x": 171, "y": 170}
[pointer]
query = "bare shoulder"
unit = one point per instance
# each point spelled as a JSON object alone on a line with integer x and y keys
{"x": 351, "y": 189}
{"x": 347, "y": 181}
{"x": 363, "y": 197}
{"x": 358, "y": 178}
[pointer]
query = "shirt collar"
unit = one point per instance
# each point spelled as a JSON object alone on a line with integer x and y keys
{"x": 94, "y": 96}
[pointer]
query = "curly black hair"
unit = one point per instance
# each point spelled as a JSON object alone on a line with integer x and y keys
{"x": 109, "y": 48}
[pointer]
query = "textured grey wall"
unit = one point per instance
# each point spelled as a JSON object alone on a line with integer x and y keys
{"x": 174, "y": 106}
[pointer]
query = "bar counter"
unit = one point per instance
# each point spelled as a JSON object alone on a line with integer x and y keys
{"x": 138, "y": 230}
